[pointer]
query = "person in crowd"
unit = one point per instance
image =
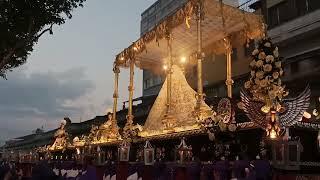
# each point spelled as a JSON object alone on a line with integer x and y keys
{"x": 43, "y": 171}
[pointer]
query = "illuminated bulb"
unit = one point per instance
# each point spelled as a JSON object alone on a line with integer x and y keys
{"x": 78, "y": 151}
{"x": 273, "y": 134}
{"x": 122, "y": 58}
{"x": 135, "y": 48}
{"x": 183, "y": 60}
{"x": 165, "y": 67}
{"x": 315, "y": 112}
{"x": 265, "y": 109}
{"x": 307, "y": 115}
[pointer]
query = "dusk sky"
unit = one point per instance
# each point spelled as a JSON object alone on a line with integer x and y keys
{"x": 70, "y": 72}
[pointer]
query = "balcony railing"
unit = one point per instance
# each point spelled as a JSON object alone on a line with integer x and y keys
{"x": 246, "y": 6}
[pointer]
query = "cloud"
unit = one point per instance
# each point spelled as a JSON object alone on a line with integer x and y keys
{"x": 30, "y": 101}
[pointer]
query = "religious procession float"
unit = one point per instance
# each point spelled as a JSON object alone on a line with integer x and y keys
{"x": 184, "y": 134}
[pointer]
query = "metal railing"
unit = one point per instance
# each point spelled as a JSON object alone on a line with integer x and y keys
{"x": 246, "y": 6}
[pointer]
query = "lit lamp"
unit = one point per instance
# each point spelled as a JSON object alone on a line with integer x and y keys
{"x": 273, "y": 129}
{"x": 273, "y": 134}
{"x": 124, "y": 151}
{"x": 183, "y": 61}
{"x": 165, "y": 67}
{"x": 148, "y": 154}
{"x": 184, "y": 151}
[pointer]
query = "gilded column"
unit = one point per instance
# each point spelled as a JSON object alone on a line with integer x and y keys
{"x": 169, "y": 73}
{"x": 130, "y": 89}
{"x": 229, "y": 81}
{"x": 168, "y": 120}
{"x": 114, "y": 126}
{"x": 200, "y": 56}
{"x": 116, "y": 71}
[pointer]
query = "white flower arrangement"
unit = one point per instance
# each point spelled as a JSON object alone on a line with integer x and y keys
{"x": 255, "y": 52}
{"x": 269, "y": 58}
{"x": 276, "y": 53}
{"x": 262, "y": 55}
{"x": 267, "y": 44}
{"x": 259, "y": 63}
{"x": 247, "y": 84}
{"x": 266, "y": 71}
{"x": 253, "y": 63}
{"x": 267, "y": 68}
{"x": 260, "y": 74}
{"x": 278, "y": 64}
{"x": 252, "y": 73}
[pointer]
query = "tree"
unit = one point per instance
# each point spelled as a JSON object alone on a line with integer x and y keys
{"x": 23, "y": 22}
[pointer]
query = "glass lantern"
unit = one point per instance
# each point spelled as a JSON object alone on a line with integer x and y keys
{"x": 100, "y": 156}
{"x": 109, "y": 156}
{"x": 148, "y": 154}
{"x": 78, "y": 156}
{"x": 184, "y": 152}
{"x": 29, "y": 159}
{"x": 124, "y": 151}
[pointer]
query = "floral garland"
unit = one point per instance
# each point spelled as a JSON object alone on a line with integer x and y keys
{"x": 221, "y": 122}
{"x": 266, "y": 71}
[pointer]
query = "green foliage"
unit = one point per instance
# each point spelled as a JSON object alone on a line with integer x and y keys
{"x": 22, "y": 22}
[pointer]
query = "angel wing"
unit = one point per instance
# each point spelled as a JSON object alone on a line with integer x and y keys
{"x": 294, "y": 108}
{"x": 253, "y": 110}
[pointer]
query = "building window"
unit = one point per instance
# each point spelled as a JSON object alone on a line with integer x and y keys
{"x": 147, "y": 83}
{"x": 294, "y": 67}
{"x": 313, "y": 5}
{"x": 301, "y": 7}
{"x": 290, "y": 9}
{"x": 273, "y": 16}
{"x": 287, "y": 11}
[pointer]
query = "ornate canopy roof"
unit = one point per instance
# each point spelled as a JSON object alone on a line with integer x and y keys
{"x": 219, "y": 21}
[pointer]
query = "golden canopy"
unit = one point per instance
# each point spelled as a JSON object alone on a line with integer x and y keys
{"x": 219, "y": 21}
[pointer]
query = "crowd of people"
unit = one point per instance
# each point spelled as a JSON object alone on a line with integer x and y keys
{"x": 10, "y": 170}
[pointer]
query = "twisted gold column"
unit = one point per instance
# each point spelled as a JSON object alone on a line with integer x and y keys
{"x": 229, "y": 81}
